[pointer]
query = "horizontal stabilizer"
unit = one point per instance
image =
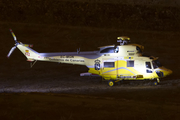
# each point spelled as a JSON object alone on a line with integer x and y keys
{"x": 30, "y": 60}
{"x": 89, "y": 74}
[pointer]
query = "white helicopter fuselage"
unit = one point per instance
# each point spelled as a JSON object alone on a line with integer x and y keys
{"x": 125, "y": 64}
{"x": 113, "y": 63}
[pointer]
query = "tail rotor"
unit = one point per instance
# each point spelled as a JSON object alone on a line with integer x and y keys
{"x": 16, "y": 43}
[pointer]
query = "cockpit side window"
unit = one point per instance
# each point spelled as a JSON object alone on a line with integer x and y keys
{"x": 148, "y": 65}
{"x": 109, "y": 50}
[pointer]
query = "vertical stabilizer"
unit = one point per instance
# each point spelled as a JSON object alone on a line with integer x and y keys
{"x": 28, "y": 52}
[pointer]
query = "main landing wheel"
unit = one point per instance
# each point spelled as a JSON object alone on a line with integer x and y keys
{"x": 111, "y": 83}
{"x": 155, "y": 83}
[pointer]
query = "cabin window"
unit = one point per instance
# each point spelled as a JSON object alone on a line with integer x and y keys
{"x": 108, "y": 64}
{"x": 148, "y": 65}
{"x": 130, "y": 63}
{"x": 108, "y": 50}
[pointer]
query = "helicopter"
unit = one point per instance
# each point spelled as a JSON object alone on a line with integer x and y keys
{"x": 114, "y": 63}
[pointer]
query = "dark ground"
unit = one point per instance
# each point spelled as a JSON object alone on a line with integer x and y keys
{"x": 56, "y": 91}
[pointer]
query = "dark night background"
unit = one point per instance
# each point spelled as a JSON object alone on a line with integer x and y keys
{"x": 56, "y": 91}
{"x": 94, "y": 14}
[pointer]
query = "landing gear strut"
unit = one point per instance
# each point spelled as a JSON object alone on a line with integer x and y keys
{"x": 158, "y": 80}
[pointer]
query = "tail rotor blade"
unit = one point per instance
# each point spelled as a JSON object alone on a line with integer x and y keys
{"x": 11, "y": 51}
{"x": 15, "y": 39}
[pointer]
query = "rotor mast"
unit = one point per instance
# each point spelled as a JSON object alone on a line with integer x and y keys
{"x": 123, "y": 40}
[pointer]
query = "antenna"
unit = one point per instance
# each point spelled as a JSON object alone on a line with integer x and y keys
{"x": 123, "y": 40}
{"x": 78, "y": 51}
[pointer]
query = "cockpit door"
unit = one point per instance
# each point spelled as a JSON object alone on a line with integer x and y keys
{"x": 148, "y": 67}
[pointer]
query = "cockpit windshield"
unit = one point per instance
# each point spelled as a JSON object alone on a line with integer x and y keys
{"x": 156, "y": 64}
{"x": 138, "y": 49}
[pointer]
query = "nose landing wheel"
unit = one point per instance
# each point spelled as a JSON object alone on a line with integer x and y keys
{"x": 155, "y": 83}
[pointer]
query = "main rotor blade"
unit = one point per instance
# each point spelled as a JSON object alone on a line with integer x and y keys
{"x": 11, "y": 51}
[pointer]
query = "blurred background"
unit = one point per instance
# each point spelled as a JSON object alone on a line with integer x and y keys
{"x": 119, "y": 14}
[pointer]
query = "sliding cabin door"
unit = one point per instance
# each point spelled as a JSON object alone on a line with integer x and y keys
{"x": 109, "y": 69}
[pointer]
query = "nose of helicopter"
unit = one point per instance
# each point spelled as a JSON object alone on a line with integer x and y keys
{"x": 167, "y": 72}
{"x": 164, "y": 72}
